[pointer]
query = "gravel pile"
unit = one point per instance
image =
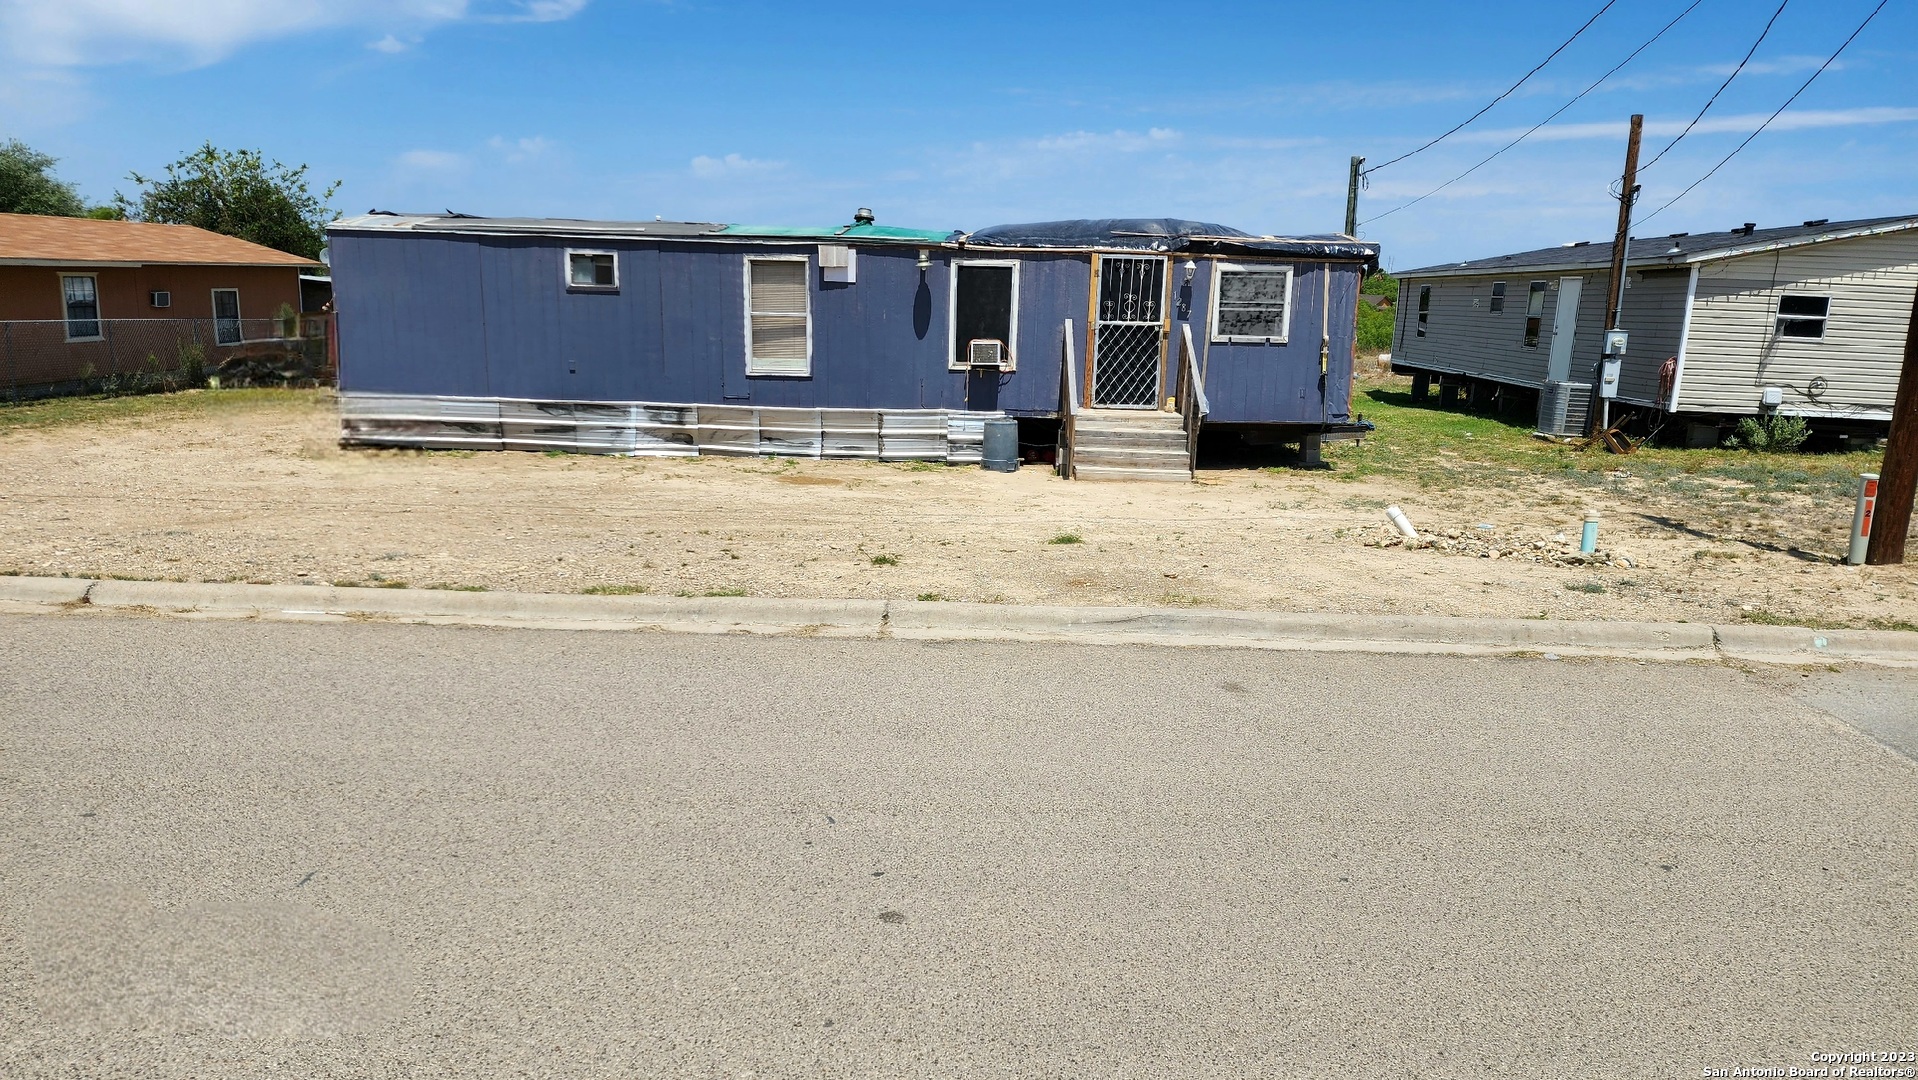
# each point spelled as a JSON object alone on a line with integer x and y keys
{"x": 1484, "y": 543}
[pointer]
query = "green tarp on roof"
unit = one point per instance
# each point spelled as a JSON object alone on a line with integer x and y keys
{"x": 868, "y": 233}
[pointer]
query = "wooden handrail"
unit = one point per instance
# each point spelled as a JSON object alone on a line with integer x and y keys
{"x": 1069, "y": 394}
{"x": 1193, "y": 406}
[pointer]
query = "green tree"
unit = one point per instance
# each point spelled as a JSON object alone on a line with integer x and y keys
{"x": 28, "y": 186}
{"x": 1380, "y": 283}
{"x": 239, "y": 193}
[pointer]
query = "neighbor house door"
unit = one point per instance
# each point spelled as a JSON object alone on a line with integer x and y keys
{"x": 226, "y": 317}
{"x": 1564, "y": 329}
{"x": 1128, "y": 331}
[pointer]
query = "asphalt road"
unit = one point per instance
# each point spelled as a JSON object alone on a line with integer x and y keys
{"x": 251, "y": 849}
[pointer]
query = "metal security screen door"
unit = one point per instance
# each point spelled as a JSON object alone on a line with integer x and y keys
{"x": 1128, "y": 334}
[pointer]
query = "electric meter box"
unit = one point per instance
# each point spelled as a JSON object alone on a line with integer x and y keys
{"x": 1608, "y": 377}
{"x": 1615, "y": 342}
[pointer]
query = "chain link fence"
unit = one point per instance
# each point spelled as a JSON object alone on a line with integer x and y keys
{"x": 48, "y": 357}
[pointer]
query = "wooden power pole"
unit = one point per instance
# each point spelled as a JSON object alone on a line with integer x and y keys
{"x": 1627, "y": 194}
{"x": 1898, "y": 477}
{"x": 1352, "y": 199}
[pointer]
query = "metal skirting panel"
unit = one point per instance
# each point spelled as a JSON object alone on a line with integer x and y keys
{"x": 913, "y": 436}
{"x": 966, "y": 438}
{"x": 850, "y": 433}
{"x": 645, "y": 429}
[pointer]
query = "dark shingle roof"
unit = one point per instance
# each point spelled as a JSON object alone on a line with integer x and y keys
{"x": 1653, "y": 251}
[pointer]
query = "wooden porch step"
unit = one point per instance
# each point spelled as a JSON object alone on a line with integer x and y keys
{"x": 1113, "y": 472}
{"x": 1131, "y": 457}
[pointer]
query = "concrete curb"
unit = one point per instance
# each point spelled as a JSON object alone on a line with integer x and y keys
{"x": 940, "y": 621}
{"x": 1295, "y": 630}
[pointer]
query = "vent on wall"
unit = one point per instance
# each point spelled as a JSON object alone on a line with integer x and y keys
{"x": 160, "y": 298}
{"x": 838, "y": 262}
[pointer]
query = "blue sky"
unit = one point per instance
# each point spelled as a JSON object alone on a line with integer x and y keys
{"x": 966, "y": 115}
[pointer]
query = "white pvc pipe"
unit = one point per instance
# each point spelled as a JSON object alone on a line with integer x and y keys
{"x": 1401, "y": 523}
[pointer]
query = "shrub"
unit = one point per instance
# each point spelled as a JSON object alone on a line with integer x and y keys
{"x": 1774, "y": 433}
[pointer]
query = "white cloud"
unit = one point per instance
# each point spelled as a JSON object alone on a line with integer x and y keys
{"x": 516, "y": 151}
{"x": 431, "y": 161}
{"x": 390, "y": 44}
{"x": 731, "y": 165}
{"x": 81, "y": 33}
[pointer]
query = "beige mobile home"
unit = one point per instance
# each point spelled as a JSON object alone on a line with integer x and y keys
{"x": 1806, "y": 321}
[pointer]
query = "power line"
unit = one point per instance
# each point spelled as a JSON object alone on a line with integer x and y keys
{"x": 1555, "y": 115}
{"x": 1508, "y": 93}
{"x": 1794, "y": 97}
{"x": 1721, "y": 86}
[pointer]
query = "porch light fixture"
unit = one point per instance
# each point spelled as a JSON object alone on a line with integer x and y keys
{"x": 1191, "y": 269}
{"x": 925, "y": 260}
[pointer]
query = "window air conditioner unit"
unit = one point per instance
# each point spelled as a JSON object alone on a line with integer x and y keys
{"x": 988, "y": 352}
{"x": 160, "y": 298}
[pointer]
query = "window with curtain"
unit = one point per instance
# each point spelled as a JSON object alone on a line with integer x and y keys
{"x": 82, "y": 297}
{"x": 779, "y": 317}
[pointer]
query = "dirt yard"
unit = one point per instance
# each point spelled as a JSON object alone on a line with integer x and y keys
{"x": 251, "y": 486}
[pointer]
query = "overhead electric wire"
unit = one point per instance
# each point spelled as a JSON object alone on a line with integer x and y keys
{"x": 1721, "y": 88}
{"x": 1529, "y": 131}
{"x": 1829, "y": 60}
{"x": 1508, "y": 93}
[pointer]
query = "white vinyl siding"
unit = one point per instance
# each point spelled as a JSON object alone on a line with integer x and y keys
{"x": 778, "y": 316}
{"x": 1735, "y": 350}
{"x": 1463, "y": 339}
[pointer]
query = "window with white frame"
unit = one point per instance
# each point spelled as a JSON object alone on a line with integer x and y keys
{"x": 1802, "y": 316}
{"x": 1498, "y": 298}
{"x": 1534, "y": 313}
{"x": 81, "y": 294}
{"x": 1251, "y": 302}
{"x": 592, "y": 270}
{"x": 778, "y": 316}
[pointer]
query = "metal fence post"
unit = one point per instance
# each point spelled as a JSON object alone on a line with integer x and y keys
{"x": 6, "y": 346}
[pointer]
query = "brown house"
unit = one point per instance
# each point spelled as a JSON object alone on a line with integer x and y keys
{"x": 83, "y": 299}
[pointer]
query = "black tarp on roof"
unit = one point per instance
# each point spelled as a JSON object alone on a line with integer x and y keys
{"x": 1164, "y": 234}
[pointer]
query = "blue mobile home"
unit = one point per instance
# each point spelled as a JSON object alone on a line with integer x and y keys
{"x": 862, "y": 340}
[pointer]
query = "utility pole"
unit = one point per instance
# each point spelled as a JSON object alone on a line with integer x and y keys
{"x": 1627, "y": 195}
{"x": 1898, "y": 477}
{"x": 1352, "y": 199}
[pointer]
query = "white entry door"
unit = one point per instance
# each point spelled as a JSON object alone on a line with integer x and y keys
{"x": 1564, "y": 329}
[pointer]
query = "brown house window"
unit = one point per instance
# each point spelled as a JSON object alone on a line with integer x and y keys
{"x": 82, "y": 296}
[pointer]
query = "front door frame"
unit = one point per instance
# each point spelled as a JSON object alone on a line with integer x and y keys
{"x": 1093, "y": 322}
{"x": 1558, "y": 361}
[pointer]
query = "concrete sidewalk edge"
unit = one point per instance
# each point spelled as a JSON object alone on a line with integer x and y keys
{"x": 948, "y": 621}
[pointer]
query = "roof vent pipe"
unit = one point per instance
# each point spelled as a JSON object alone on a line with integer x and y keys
{"x": 1749, "y": 226}
{"x": 1815, "y": 222}
{"x": 862, "y": 216}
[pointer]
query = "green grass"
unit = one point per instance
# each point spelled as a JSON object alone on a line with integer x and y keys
{"x": 930, "y": 596}
{"x": 1585, "y": 586}
{"x": 1067, "y": 538}
{"x": 448, "y": 587}
{"x": 885, "y": 560}
{"x": 613, "y": 590}
{"x": 57, "y": 412}
{"x": 1438, "y": 448}
{"x": 735, "y": 591}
